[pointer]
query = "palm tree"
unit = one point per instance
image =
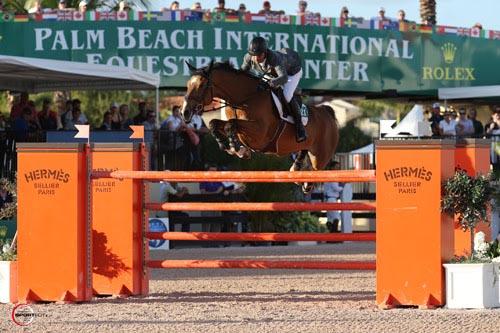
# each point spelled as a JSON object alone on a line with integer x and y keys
{"x": 428, "y": 11}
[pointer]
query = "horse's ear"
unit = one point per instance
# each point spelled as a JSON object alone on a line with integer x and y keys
{"x": 210, "y": 66}
{"x": 192, "y": 69}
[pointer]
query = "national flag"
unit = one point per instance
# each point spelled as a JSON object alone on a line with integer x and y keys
{"x": 391, "y": 25}
{"x": 312, "y": 20}
{"x": 50, "y": 15}
{"x": 295, "y": 20}
{"x": 218, "y": 17}
{"x": 36, "y": 17}
{"x": 105, "y": 16}
{"x": 407, "y": 26}
{"x": 425, "y": 29}
{"x": 148, "y": 16}
{"x": 463, "y": 31}
{"x": 83, "y": 131}
{"x": 493, "y": 34}
{"x": 193, "y": 15}
{"x": 165, "y": 15}
{"x": 273, "y": 19}
{"x": 477, "y": 33}
{"x": 137, "y": 132}
{"x": 353, "y": 22}
{"x": 325, "y": 22}
{"x": 6, "y": 17}
{"x": 256, "y": 18}
{"x": 446, "y": 30}
{"x": 133, "y": 15}
{"x": 337, "y": 22}
{"x": 232, "y": 19}
{"x": 177, "y": 15}
{"x": 90, "y": 15}
{"x": 122, "y": 15}
{"x": 284, "y": 19}
{"x": 376, "y": 24}
{"x": 65, "y": 15}
{"x": 77, "y": 16}
{"x": 361, "y": 23}
{"x": 207, "y": 17}
{"x": 21, "y": 18}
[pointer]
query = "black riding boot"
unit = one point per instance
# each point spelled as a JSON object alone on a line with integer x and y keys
{"x": 301, "y": 134}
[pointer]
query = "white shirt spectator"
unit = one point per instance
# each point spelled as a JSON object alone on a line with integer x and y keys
{"x": 448, "y": 128}
{"x": 196, "y": 122}
{"x": 81, "y": 120}
{"x": 465, "y": 127}
{"x": 332, "y": 190}
{"x": 172, "y": 123}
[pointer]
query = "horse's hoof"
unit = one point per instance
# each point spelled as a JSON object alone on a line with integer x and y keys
{"x": 243, "y": 152}
{"x": 307, "y": 188}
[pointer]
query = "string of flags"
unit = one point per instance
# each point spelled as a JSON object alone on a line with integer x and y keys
{"x": 248, "y": 18}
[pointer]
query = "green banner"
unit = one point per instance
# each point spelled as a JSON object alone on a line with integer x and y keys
{"x": 339, "y": 59}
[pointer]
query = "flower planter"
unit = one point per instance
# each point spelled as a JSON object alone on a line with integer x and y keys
{"x": 8, "y": 281}
{"x": 472, "y": 286}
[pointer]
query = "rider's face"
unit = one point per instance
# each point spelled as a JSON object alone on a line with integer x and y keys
{"x": 260, "y": 57}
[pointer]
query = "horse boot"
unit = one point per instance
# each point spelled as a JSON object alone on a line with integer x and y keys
{"x": 300, "y": 135}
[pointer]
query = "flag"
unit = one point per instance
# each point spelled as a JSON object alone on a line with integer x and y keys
{"x": 354, "y": 22}
{"x": 77, "y": 16}
{"x": 361, "y": 23}
{"x": 325, "y": 22}
{"x": 477, "y": 33}
{"x": 122, "y": 15}
{"x": 425, "y": 29}
{"x": 50, "y": 16}
{"x": 493, "y": 34}
{"x": 165, "y": 15}
{"x": 337, "y": 22}
{"x": 105, "y": 16}
{"x": 137, "y": 132}
{"x": 391, "y": 25}
{"x": 207, "y": 17}
{"x": 312, "y": 20}
{"x": 177, "y": 15}
{"x": 193, "y": 15}
{"x": 232, "y": 18}
{"x": 284, "y": 19}
{"x": 463, "y": 31}
{"x": 21, "y": 18}
{"x": 65, "y": 15}
{"x": 273, "y": 19}
{"x": 446, "y": 30}
{"x": 90, "y": 15}
{"x": 83, "y": 132}
{"x": 218, "y": 17}
{"x": 256, "y": 18}
{"x": 36, "y": 17}
{"x": 6, "y": 17}
{"x": 407, "y": 26}
{"x": 148, "y": 16}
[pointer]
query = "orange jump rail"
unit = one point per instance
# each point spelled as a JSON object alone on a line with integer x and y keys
{"x": 345, "y": 176}
{"x": 260, "y": 237}
{"x": 261, "y": 206}
{"x": 263, "y": 264}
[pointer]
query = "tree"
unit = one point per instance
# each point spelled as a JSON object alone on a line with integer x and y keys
{"x": 428, "y": 11}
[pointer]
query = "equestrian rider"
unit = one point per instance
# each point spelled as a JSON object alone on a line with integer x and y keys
{"x": 285, "y": 68}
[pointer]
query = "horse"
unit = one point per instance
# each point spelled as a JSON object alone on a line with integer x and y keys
{"x": 253, "y": 122}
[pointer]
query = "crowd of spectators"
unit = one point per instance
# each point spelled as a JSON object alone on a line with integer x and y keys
{"x": 448, "y": 122}
{"x": 123, "y": 5}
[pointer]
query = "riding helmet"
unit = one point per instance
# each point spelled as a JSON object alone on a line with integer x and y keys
{"x": 257, "y": 46}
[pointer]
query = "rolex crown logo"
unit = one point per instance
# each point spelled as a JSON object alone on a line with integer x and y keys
{"x": 449, "y": 51}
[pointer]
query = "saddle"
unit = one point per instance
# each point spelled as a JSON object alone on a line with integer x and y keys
{"x": 281, "y": 106}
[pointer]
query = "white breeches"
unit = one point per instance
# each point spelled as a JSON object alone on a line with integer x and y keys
{"x": 291, "y": 85}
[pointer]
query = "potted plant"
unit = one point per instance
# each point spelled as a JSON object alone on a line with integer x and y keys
{"x": 8, "y": 263}
{"x": 472, "y": 281}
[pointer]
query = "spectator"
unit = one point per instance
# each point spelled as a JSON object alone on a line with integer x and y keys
{"x": 465, "y": 127}
{"x": 123, "y": 6}
{"x": 125, "y": 120}
{"x": 196, "y": 6}
{"x": 402, "y": 16}
{"x": 242, "y": 9}
{"x": 493, "y": 127}
{"x": 142, "y": 116}
{"x": 221, "y": 8}
{"x": 62, "y": 5}
{"x": 331, "y": 193}
{"x": 46, "y": 117}
{"x": 150, "y": 122}
{"x": 302, "y": 8}
{"x": 82, "y": 6}
{"x": 107, "y": 122}
{"x": 211, "y": 187}
{"x": 67, "y": 111}
{"x": 174, "y": 122}
{"x": 429, "y": 20}
{"x": 174, "y": 5}
{"x": 172, "y": 188}
{"x": 381, "y": 14}
{"x": 116, "y": 119}
{"x": 266, "y": 8}
{"x": 77, "y": 118}
{"x": 17, "y": 108}
{"x": 447, "y": 126}
{"x": 478, "y": 26}
{"x": 5, "y": 197}
{"x": 22, "y": 125}
{"x": 478, "y": 126}
{"x": 344, "y": 13}
{"x": 435, "y": 119}
{"x": 82, "y": 119}
{"x": 37, "y": 8}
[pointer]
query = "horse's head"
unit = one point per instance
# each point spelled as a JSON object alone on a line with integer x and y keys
{"x": 199, "y": 91}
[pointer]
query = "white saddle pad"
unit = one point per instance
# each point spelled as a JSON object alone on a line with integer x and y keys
{"x": 304, "y": 112}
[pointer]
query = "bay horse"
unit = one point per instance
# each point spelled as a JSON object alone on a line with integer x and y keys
{"x": 253, "y": 122}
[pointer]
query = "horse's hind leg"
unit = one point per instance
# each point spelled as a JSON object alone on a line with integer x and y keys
{"x": 216, "y": 127}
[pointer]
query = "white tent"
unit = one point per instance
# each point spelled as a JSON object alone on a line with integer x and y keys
{"x": 37, "y": 75}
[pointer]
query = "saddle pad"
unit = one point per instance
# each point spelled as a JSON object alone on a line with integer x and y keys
{"x": 304, "y": 111}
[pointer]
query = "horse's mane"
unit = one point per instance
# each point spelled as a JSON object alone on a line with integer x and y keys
{"x": 227, "y": 67}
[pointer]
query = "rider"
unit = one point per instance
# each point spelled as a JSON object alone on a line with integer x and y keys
{"x": 285, "y": 67}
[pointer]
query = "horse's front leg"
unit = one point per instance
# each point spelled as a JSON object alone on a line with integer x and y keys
{"x": 217, "y": 128}
{"x": 231, "y": 128}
